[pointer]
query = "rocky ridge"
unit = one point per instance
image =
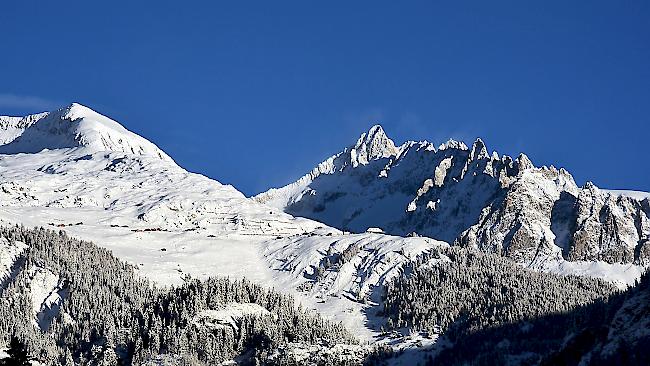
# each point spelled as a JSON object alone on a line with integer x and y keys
{"x": 470, "y": 197}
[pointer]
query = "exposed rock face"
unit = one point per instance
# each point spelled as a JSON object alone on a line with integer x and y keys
{"x": 469, "y": 197}
{"x": 609, "y": 228}
{"x": 519, "y": 224}
{"x": 372, "y": 145}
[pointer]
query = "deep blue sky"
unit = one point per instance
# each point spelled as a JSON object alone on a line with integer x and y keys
{"x": 255, "y": 94}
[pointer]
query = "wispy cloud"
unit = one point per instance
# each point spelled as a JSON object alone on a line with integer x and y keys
{"x": 36, "y": 104}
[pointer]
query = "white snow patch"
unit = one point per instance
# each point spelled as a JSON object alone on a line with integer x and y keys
{"x": 638, "y": 195}
{"x": 621, "y": 275}
{"x": 227, "y": 315}
{"x": 9, "y": 253}
{"x": 302, "y": 354}
{"x": 45, "y": 288}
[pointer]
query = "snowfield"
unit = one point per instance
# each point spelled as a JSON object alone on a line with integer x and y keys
{"x": 622, "y": 275}
{"x": 627, "y": 193}
{"x": 340, "y": 275}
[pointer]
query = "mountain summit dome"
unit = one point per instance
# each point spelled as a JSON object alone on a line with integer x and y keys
{"x": 75, "y": 126}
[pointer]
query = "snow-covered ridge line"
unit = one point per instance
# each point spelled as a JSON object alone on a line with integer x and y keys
{"x": 471, "y": 197}
{"x": 74, "y": 126}
{"x": 638, "y": 195}
{"x": 372, "y": 145}
{"x": 12, "y": 127}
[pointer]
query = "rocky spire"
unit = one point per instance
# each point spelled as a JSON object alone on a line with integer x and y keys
{"x": 372, "y": 145}
{"x": 523, "y": 162}
{"x": 479, "y": 151}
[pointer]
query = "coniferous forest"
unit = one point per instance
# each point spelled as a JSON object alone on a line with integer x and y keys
{"x": 493, "y": 311}
{"x": 113, "y": 316}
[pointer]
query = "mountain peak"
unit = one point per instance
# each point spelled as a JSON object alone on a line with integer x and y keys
{"x": 76, "y": 126}
{"x": 376, "y": 129}
{"x": 376, "y": 132}
{"x": 77, "y": 110}
{"x": 453, "y": 144}
{"x": 372, "y": 145}
{"x": 75, "y": 105}
{"x": 479, "y": 151}
{"x": 524, "y": 162}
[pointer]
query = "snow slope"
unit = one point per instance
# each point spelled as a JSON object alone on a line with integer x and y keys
{"x": 343, "y": 273}
{"x": 48, "y": 291}
{"x": 111, "y": 186}
{"x": 75, "y": 126}
{"x": 9, "y": 255}
{"x": 638, "y": 195}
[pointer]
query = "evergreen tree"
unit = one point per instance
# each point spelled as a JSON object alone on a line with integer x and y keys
{"x": 18, "y": 354}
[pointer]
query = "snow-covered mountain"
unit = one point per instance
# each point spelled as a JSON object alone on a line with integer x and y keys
{"x": 75, "y": 126}
{"x": 76, "y": 170}
{"x": 468, "y": 196}
{"x": 84, "y": 173}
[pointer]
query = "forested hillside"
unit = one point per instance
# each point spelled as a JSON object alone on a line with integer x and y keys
{"x": 491, "y": 310}
{"x": 615, "y": 331}
{"x": 74, "y": 303}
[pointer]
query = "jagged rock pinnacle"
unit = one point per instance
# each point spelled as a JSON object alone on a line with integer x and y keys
{"x": 372, "y": 145}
